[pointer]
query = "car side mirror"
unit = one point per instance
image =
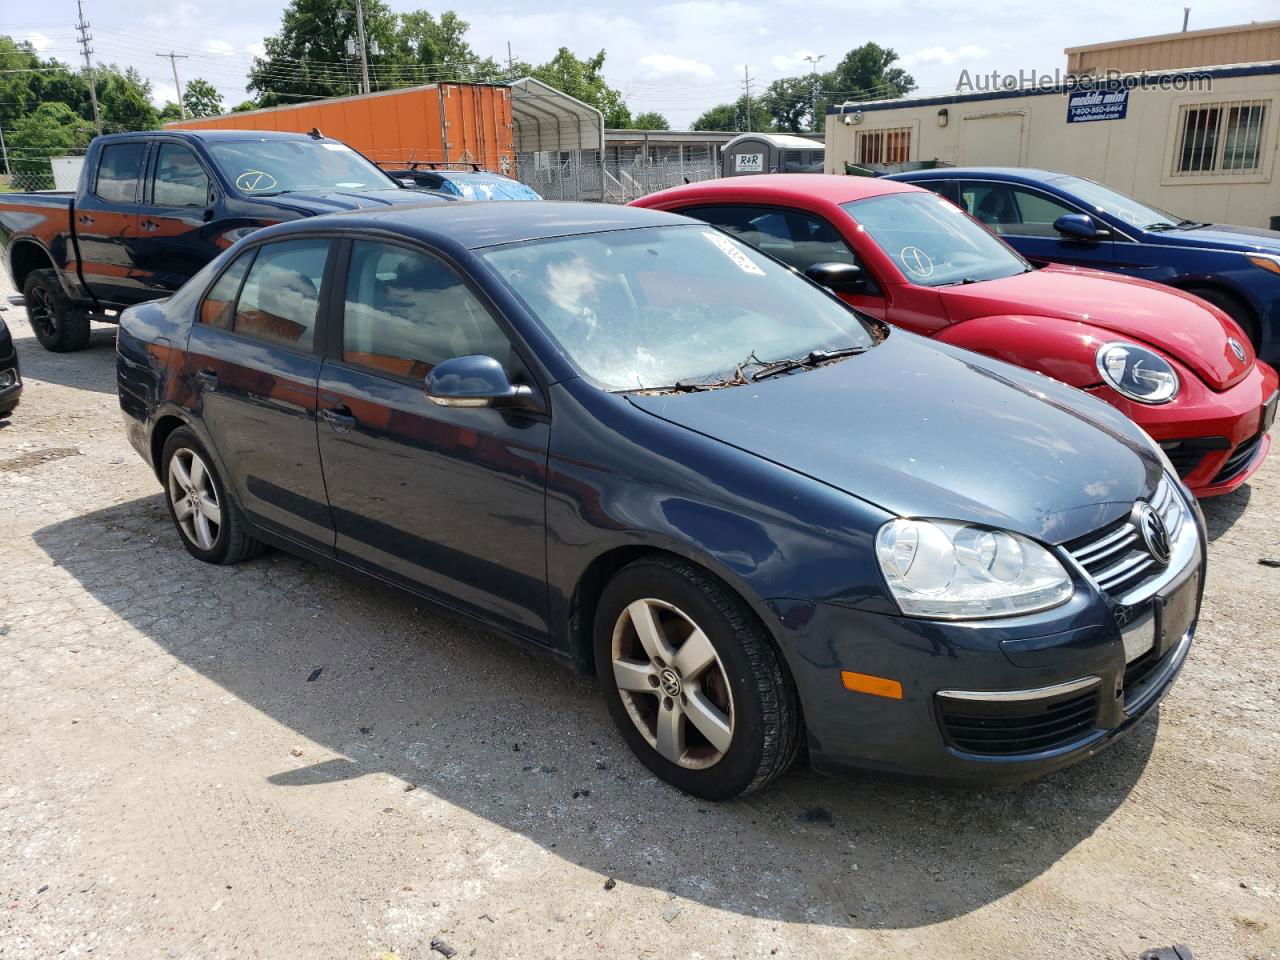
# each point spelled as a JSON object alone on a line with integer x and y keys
{"x": 1079, "y": 226}
{"x": 838, "y": 277}
{"x": 475, "y": 381}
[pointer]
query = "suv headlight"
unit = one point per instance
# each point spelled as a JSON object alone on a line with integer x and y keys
{"x": 948, "y": 570}
{"x": 1137, "y": 372}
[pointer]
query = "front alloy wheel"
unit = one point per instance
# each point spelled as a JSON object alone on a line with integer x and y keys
{"x": 672, "y": 683}
{"x": 194, "y": 499}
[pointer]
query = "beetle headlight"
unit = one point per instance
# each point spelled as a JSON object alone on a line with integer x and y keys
{"x": 1137, "y": 372}
{"x": 955, "y": 571}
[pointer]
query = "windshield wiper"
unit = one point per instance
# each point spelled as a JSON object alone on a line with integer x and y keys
{"x": 964, "y": 281}
{"x": 813, "y": 358}
{"x": 693, "y": 384}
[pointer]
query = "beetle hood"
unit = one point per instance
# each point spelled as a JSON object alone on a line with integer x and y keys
{"x": 1183, "y": 326}
{"x": 926, "y": 430}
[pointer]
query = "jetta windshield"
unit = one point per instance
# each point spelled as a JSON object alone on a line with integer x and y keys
{"x": 1106, "y": 200}
{"x": 658, "y": 306}
{"x": 932, "y": 241}
{"x": 264, "y": 167}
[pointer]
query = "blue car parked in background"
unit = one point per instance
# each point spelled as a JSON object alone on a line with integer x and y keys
{"x": 466, "y": 184}
{"x": 1058, "y": 218}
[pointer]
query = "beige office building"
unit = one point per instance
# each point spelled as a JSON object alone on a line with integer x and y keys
{"x": 1176, "y": 127}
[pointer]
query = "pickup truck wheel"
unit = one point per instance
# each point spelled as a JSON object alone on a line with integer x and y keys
{"x": 59, "y": 324}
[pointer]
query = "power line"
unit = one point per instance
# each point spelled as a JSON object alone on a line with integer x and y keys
{"x": 173, "y": 59}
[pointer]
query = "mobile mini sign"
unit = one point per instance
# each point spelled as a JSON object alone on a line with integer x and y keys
{"x": 1085, "y": 106}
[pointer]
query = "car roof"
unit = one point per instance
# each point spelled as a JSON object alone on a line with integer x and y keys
{"x": 824, "y": 186}
{"x": 1026, "y": 174}
{"x": 475, "y": 225}
{"x": 189, "y": 134}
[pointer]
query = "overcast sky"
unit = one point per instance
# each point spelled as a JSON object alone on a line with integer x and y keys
{"x": 677, "y": 58}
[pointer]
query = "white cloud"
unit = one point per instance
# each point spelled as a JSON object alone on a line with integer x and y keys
{"x": 257, "y": 48}
{"x": 39, "y": 41}
{"x": 794, "y": 62}
{"x": 666, "y": 66}
{"x": 945, "y": 55}
{"x": 220, "y": 47}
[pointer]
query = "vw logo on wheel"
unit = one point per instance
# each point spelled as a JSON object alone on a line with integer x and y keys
{"x": 670, "y": 681}
{"x": 1154, "y": 534}
{"x": 1237, "y": 348}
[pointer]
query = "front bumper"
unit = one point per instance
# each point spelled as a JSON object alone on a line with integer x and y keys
{"x": 991, "y": 701}
{"x": 10, "y": 385}
{"x": 1216, "y": 440}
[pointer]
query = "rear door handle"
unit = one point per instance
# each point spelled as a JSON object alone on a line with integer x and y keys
{"x": 340, "y": 417}
{"x": 208, "y": 378}
{"x": 84, "y": 220}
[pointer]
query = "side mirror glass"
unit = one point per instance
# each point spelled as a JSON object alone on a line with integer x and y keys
{"x": 1079, "y": 226}
{"x": 838, "y": 277}
{"x": 475, "y": 381}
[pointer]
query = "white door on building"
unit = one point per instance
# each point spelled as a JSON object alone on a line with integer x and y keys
{"x": 991, "y": 140}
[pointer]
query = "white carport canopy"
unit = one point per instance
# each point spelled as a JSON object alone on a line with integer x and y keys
{"x": 546, "y": 119}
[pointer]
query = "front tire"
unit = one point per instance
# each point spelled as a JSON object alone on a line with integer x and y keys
{"x": 58, "y": 324}
{"x": 209, "y": 523}
{"x": 692, "y": 680}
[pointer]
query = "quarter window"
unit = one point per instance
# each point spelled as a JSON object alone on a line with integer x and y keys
{"x": 118, "y": 172}
{"x": 1220, "y": 138}
{"x": 407, "y": 311}
{"x": 180, "y": 180}
{"x": 281, "y": 293}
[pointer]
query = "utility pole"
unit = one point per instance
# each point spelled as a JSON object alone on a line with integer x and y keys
{"x": 746, "y": 83}
{"x": 1186, "y": 15}
{"x": 511, "y": 63}
{"x": 85, "y": 36}
{"x": 5, "y": 152}
{"x": 173, "y": 59}
{"x": 813, "y": 85}
{"x": 364, "y": 50}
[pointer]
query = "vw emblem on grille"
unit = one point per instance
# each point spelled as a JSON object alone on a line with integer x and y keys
{"x": 1237, "y": 348}
{"x": 1154, "y": 534}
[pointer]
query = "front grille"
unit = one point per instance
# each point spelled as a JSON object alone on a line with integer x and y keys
{"x": 999, "y": 728}
{"x": 1185, "y": 459}
{"x": 1117, "y": 557}
{"x": 1239, "y": 461}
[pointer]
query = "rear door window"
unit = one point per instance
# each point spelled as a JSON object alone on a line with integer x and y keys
{"x": 281, "y": 293}
{"x": 119, "y": 169}
{"x": 1013, "y": 211}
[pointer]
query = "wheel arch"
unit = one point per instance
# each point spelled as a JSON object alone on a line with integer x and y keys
{"x": 25, "y": 257}
{"x": 165, "y": 424}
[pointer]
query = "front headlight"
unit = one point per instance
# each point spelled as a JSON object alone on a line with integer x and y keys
{"x": 955, "y": 571}
{"x": 1137, "y": 372}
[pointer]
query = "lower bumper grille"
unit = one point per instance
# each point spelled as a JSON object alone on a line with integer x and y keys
{"x": 997, "y": 728}
{"x": 1239, "y": 461}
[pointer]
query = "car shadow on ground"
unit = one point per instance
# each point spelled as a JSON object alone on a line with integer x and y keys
{"x": 92, "y": 368}
{"x": 1221, "y": 513}
{"x": 518, "y": 739}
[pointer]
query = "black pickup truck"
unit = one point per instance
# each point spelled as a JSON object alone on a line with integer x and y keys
{"x": 152, "y": 208}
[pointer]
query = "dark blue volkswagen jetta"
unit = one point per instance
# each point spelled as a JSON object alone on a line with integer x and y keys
{"x": 765, "y": 522}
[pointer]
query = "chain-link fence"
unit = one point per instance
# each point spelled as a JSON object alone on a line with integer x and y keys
{"x": 29, "y": 173}
{"x": 587, "y": 177}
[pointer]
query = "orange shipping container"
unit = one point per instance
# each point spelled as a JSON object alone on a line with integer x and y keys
{"x": 442, "y": 123}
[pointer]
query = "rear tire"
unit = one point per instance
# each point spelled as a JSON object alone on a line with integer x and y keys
{"x": 703, "y": 700}
{"x": 58, "y": 324}
{"x": 1233, "y": 307}
{"x": 209, "y": 524}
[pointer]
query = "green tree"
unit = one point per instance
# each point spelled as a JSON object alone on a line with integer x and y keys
{"x": 51, "y": 130}
{"x": 246, "y": 105}
{"x": 733, "y": 116}
{"x": 864, "y": 73}
{"x": 202, "y": 99}
{"x": 27, "y": 81}
{"x": 440, "y": 49}
{"x": 124, "y": 100}
{"x": 650, "y": 121}
{"x": 170, "y": 112}
{"x": 789, "y": 101}
{"x": 582, "y": 80}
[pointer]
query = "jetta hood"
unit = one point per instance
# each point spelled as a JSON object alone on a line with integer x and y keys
{"x": 337, "y": 201}
{"x": 1221, "y": 236}
{"x": 1185, "y": 327}
{"x": 927, "y": 430}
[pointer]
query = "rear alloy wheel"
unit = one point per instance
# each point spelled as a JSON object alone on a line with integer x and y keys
{"x": 58, "y": 324}
{"x": 209, "y": 523}
{"x": 692, "y": 680}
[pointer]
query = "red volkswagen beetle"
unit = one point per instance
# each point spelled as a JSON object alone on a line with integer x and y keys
{"x": 1172, "y": 362}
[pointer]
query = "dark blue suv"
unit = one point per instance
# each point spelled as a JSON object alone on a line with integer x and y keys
{"x": 1058, "y": 218}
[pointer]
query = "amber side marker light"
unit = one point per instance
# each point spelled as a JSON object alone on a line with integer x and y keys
{"x": 866, "y": 683}
{"x": 1266, "y": 263}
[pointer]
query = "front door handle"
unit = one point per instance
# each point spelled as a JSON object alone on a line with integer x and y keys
{"x": 208, "y": 378}
{"x": 84, "y": 220}
{"x": 340, "y": 417}
{"x": 150, "y": 225}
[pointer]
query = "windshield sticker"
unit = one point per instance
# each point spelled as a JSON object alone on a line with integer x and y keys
{"x": 255, "y": 181}
{"x": 915, "y": 261}
{"x": 733, "y": 253}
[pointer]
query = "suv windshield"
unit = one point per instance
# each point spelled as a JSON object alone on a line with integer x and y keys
{"x": 932, "y": 241}
{"x": 278, "y": 166}
{"x": 658, "y": 306}
{"x": 1106, "y": 200}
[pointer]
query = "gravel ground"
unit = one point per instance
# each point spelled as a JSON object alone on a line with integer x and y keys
{"x": 279, "y": 761}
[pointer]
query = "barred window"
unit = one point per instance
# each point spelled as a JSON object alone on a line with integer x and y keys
{"x": 1220, "y": 138}
{"x": 884, "y": 146}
